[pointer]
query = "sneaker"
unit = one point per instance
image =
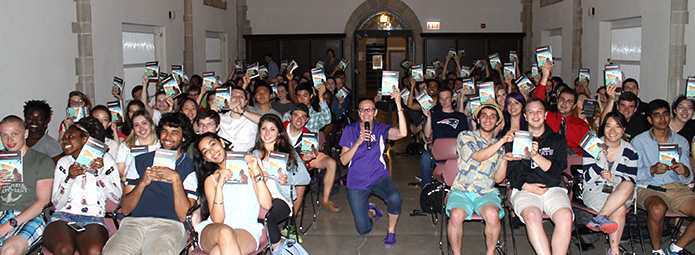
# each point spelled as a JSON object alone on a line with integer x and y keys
{"x": 377, "y": 213}
{"x": 668, "y": 251}
{"x": 329, "y": 206}
{"x": 390, "y": 240}
{"x": 603, "y": 224}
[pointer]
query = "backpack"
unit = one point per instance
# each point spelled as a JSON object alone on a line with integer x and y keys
{"x": 431, "y": 197}
{"x": 290, "y": 247}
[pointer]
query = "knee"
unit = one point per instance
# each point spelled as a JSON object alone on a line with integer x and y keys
{"x": 60, "y": 249}
{"x": 492, "y": 217}
{"x": 362, "y": 230}
{"x": 532, "y": 216}
{"x": 94, "y": 250}
{"x": 395, "y": 199}
{"x": 457, "y": 217}
{"x": 226, "y": 234}
{"x": 563, "y": 217}
{"x": 657, "y": 210}
{"x": 628, "y": 185}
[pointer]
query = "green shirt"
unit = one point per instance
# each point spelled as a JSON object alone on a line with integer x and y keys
{"x": 19, "y": 196}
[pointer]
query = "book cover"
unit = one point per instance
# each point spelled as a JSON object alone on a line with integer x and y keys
{"x": 584, "y": 75}
{"x": 223, "y": 95}
{"x": 342, "y": 93}
{"x": 277, "y": 164}
{"x": 590, "y": 106}
{"x": 252, "y": 71}
{"x": 543, "y": 54}
{"x": 138, "y": 150}
{"x": 592, "y": 144}
{"x": 690, "y": 88}
{"x": 613, "y": 75}
{"x": 117, "y": 85}
{"x": 405, "y": 93}
{"x": 525, "y": 85}
{"x": 513, "y": 56}
{"x": 509, "y": 70}
{"x": 319, "y": 64}
{"x": 292, "y": 66}
{"x": 239, "y": 66}
{"x": 208, "y": 80}
{"x": 177, "y": 72}
{"x": 668, "y": 153}
{"x": 534, "y": 70}
{"x": 274, "y": 88}
{"x": 452, "y": 53}
{"x": 389, "y": 81}
{"x": 468, "y": 86}
{"x": 318, "y": 76}
{"x": 436, "y": 63}
{"x": 116, "y": 111}
{"x": 416, "y": 73}
{"x": 263, "y": 71}
{"x": 521, "y": 147}
{"x": 405, "y": 64}
{"x": 465, "y": 72}
{"x": 76, "y": 113}
{"x": 152, "y": 70}
{"x": 486, "y": 91}
{"x": 478, "y": 64}
{"x": 343, "y": 64}
{"x": 11, "y": 162}
{"x": 430, "y": 72}
{"x": 283, "y": 64}
{"x": 236, "y": 164}
{"x": 462, "y": 52}
{"x": 474, "y": 103}
{"x": 494, "y": 60}
{"x": 92, "y": 149}
{"x": 425, "y": 100}
{"x": 171, "y": 87}
{"x": 165, "y": 158}
{"x": 310, "y": 142}
{"x": 2, "y": 146}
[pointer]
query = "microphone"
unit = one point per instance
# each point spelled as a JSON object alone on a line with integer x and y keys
{"x": 369, "y": 141}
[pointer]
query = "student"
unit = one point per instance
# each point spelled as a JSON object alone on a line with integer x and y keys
{"x": 230, "y": 210}
{"x": 566, "y": 124}
{"x": 682, "y": 122}
{"x": 273, "y": 69}
{"x": 368, "y": 174}
{"x": 481, "y": 163}
{"x": 319, "y": 116}
{"x": 156, "y": 198}
{"x": 132, "y": 107}
{"x": 37, "y": 114}
{"x": 239, "y": 125}
{"x": 261, "y": 95}
{"x": 631, "y": 85}
{"x": 283, "y": 103}
{"x": 103, "y": 115}
{"x": 536, "y": 183}
{"x": 609, "y": 180}
{"x": 143, "y": 134}
{"x": 627, "y": 105}
{"x": 677, "y": 196}
{"x": 75, "y": 99}
{"x": 22, "y": 222}
{"x": 79, "y": 203}
{"x": 513, "y": 114}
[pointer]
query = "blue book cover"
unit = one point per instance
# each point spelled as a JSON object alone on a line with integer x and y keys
{"x": 613, "y": 75}
{"x": 152, "y": 70}
{"x": 521, "y": 147}
{"x": 92, "y": 149}
{"x": 11, "y": 162}
{"x": 239, "y": 168}
{"x": 389, "y": 81}
{"x": 277, "y": 164}
{"x": 318, "y": 76}
{"x": 208, "y": 80}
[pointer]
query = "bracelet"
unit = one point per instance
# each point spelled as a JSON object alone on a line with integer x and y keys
{"x": 258, "y": 178}
{"x": 242, "y": 112}
{"x": 216, "y": 203}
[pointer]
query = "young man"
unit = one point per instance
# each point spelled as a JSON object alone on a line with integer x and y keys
{"x": 261, "y": 94}
{"x": 675, "y": 178}
{"x": 631, "y": 85}
{"x": 442, "y": 122}
{"x": 239, "y": 126}
{"x": 566, "y": 124}
{"x": 481, "y": 163}
{"x": 317, "y": 119}
{"x": 273, "y": 69}
{"x": 21, "y": 202}
{"x": 283, "y": 103}
{"x": 627, "y": 105}
{"x": 368, "y": 174}
{"x": 37, "y": 114}
{"x": 157, "y": 197}
{"x": 536, "y": 183}
{"x": 299, "y": 115}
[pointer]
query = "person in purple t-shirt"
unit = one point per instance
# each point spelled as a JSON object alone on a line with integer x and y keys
{"x": 368, "y": 174}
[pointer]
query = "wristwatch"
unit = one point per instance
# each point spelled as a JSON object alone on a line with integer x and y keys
{"x": 13, "y": 222}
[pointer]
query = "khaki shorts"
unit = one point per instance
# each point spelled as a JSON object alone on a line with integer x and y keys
{"x": 677, "y": 194}
{"x": 552, "y": 200}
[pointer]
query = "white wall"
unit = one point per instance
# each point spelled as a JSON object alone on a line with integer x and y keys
{"x": 286, "y": 16}
{"x": 206, "y": 18}
{"x": 552, "y": 17}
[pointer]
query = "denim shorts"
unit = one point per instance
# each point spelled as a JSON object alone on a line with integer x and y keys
{"x": 82, "y": 220}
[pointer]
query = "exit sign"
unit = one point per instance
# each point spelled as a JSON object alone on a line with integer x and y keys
{"x": 433, "y": 25}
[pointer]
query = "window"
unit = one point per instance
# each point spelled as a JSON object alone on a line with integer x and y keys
{"x": 626, "y": 48}
{"x": 553, "y": 38}
{"x": 215, "y": 53}
{"x": 141, "y": 44}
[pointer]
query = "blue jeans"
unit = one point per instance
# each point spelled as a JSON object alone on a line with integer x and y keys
{"x": 426, "y": 167}
{"x": 359, "y": 202}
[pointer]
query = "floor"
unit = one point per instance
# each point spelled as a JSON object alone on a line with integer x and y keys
{"x": 334, "y": 233}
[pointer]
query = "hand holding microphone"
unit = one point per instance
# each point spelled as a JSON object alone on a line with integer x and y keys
{"x": 369, "y": 140}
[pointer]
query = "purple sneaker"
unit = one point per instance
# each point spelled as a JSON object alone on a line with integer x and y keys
{"x": 390, "y": 240}
{"x": 602, "y": 223}
{"x": 377, "y": 213}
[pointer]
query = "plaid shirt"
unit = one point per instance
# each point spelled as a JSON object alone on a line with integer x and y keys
{"x": 474, "y": 176}
{"x": 316, "y": 119}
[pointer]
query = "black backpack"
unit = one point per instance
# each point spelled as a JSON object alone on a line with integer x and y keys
{"x": 431, "y": 197}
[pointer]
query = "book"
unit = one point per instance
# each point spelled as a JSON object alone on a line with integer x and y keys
{"x": 462, "y": 52}
{"x": 117, "y": 85}
{"x": 277, "y": 164}
{"x": 91, "y": 150}
{"x": 2, "y": 146}
{"x": 592, "y": 144}
{"x": 486, "y": 91}
{"x": 416, "y": 73}
{"x": 138, "y": 150}
{"x": 343, "y": 64}
{"x": 543, "y": 54}
{"x": 436, "y": 63}
{"x": 474, "y": 103}
{"x": 521, "y": 147}
{"x": 263, "y": 71}
{"x": 208, "y": 80}
{"x": 465, "y": 72}
{"x": 425, "y": 100}
{"x": 389, "y": 81}
{"x": 76, "y": 113}
{"x": 468, "y": 86}
{"x": 513, "y": 56}
{"x": 494, "y": 60}
{"x": 116, "y": 111}
{"x": 377, "y": 62}
{"x": 342, "y": 93}
{"x": 690, "y": 87}
{"x": 165, "y": 158}
{"x": 171, "y": 87}
{"x": 239, "y": 168}
{"x": 590, "y": 106}
{"x": 239, "y": 66}
{"x": 177, "y": 72}
{"x": 430, "y": 72}
{"x": 613, "y": 75}
{"x": 310, "y": 142}
{"x": 283, "y": 65}
{"x": 252, "y": 71}
{"x": 406, "y": 64}
{"x": 274, "y": 88}
{"x": 452, "y": 53}
{"x": 584, "y": 75}
{"x": 669, "y": 153}
{"x": 534, "y": 70}
{"x": 11, "y": 162}
{"x": 292, "y": 66}
{"x": 405, "y": 93}
{"x": 223, "y": 95}
{"x": 319, "y": 64}
{"x": 318, "y": 76}
{"x": 478, "y": 64}
{"x": 509, "y": 70}
{"x": 525, "y": 85}
{"x": 152, "y": 70}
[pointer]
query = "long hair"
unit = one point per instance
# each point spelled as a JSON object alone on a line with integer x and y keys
{"x": 129, "y": 121}
{"x": 619, "y": 117}
{"x": 282, "y": 143}
{"x": 132, "y": 137}
{"x": 203, "y": 169}
{"x": 85, "y": 99}
{"x": 508, "y": 117}
{"x": 109, "y": 134}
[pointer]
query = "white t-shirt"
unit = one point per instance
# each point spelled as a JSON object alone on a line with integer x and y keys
{"x": 293, "y": 139}
{"x": 113, "y": 147}
{"x": 123, "y": 155}
{"x": 241, "y": 132}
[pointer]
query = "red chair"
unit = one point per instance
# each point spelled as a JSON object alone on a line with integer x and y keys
{"x": 443, "y": 149}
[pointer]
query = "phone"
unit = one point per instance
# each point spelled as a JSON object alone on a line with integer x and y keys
{"x": 76, "y": 226}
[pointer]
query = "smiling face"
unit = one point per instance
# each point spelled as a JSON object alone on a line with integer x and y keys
{"x": 514, "y": 107}
{"x": 212, "y": 150}
{"x": 75, "y": 101}
{"x": 142, "y": 127}
{"x": 432, "y": 88}
{"x": 13, "y": 136}
{"x": 188, "y": 108}
{"x": 487, "y": 119}
{"x": 72, "y": 141}
{"x": 627, "y": 108}
{"x": 37, "y": 121}
{"x": 103, "y": 117}
{"x": 500, "y": 96}
{"x": 566, "y": 103}
{"x": 207, "y": 125}
{"x": 298, "y": 119}
{"x": 262, "y": 95}
{"x": 613, "y": 131}
{"x": 171, "y": 138}
{"x": 535, "y": 114}
{"x": 238, "y": 97}
{"x": 162, "y": 104}
{"x": 367, "y": 111}
{"x": 268, "y": 132}
{"x": 684, "y": 110}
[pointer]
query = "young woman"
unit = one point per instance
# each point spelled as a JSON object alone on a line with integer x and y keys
{"x": 273, "y": 137}
{"x": 500, "y": 95}
{"x": 80, "y": 193}
{"x": 143, "y": 134}
{"x": 133, "y": 106}
{"x": 231, "y": 210}
{"x": 614, "y": 170}
{"x": 513, "y": 117}
{"x": 103, "y": 115}
{"x": 682, "y": 121}
{"x": 189, "y": 107}
{"x": 75, "y": 99}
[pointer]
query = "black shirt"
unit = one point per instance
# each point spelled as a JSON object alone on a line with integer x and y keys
{"x": 688, "y": 131}
{"x": 553, "y": 147}
{"x": 635, "y": 126}
{"x": 447, "y": 125}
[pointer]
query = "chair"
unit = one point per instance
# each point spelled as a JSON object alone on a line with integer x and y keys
{"x": 315, "y": 176}
{"x": 443, "y": 149}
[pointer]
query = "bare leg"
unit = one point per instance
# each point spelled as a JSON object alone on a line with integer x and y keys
{"x": 393, "y": 219}
{"x": 689, "y": 234}
{"x": 15, "y": 245}
{"x": 454, "y": 229}
{"x": 656, "y": 210}
{"x": 533, "y": 217}
{"x": 300, "y": 198}
{"x": 619, "y": 217}
{"x": 562, "y": 232}
{"x": 323, "y": 161}
{"x": 58, "y": 238}
{"x": 493, "y": 228}
{"x": 617, "y": 198}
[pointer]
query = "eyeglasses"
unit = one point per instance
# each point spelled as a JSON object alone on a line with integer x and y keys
{"x": 683, "y": 107}
{"x": 367, "y": 110}
{"x": 75, "y": 103}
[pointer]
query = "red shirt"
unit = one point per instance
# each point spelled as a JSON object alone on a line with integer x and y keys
{"x": 576, "y": 129}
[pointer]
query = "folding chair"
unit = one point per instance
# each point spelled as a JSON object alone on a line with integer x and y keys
{"x": 315, "y": 177}
{"x": 443, "y": 149}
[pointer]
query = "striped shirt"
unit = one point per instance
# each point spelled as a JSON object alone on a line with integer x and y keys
{"x": 624, "y": 167}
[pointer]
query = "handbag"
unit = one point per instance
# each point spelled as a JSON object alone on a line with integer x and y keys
{"x": 290, "y": 247}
